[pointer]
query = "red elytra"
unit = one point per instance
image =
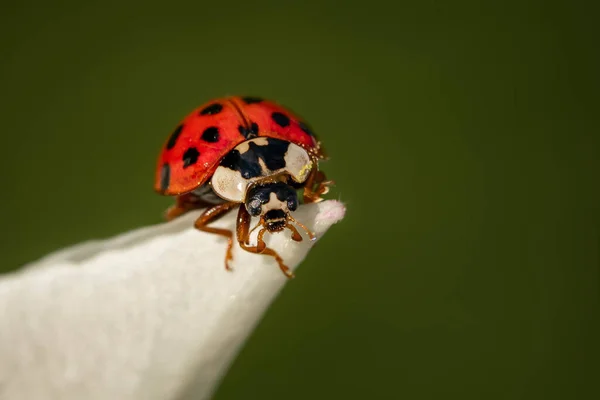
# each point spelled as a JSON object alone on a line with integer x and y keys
{"x": 193, "y": 151}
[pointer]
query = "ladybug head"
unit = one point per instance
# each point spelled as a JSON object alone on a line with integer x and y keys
{"x": 273, "y": 202}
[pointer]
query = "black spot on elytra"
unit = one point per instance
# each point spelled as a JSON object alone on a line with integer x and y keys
{"x": 251, "y": 99}
{"x": 165, "y": 177}
{"x": 190, "y": 157}
{"x": 250, "y": 132}
{"x": 306, "y": 129}
{"x": 174, "y": 136}
{"x": 212, "y": 109}
{"x": 211, "y": 134}
{"x": 272, "y": 154}
{"x": 280, "y": 119}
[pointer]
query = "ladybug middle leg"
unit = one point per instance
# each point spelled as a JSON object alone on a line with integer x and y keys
{"x": 184, "y": 203}
{"x": 243, "y": 236}
{"x": 316, "y": 185}
{"x": 212, "y": 214}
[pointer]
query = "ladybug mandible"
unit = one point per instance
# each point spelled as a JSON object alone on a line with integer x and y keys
{"x": 246, "y": 152}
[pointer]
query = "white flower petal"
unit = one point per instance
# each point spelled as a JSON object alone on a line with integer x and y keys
{"x": 145, "y": 315}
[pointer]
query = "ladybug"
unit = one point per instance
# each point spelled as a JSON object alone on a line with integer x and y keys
{"x": 243, "y": 152}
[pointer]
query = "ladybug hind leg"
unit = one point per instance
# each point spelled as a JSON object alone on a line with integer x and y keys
{"x": 212, "y": 214}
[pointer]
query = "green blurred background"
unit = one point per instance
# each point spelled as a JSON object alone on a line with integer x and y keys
{"x": 464, "y": 141}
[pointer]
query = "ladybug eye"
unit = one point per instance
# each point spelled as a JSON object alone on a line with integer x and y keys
{"x": 254, "y": 207}
{"x": 292, "y": 203}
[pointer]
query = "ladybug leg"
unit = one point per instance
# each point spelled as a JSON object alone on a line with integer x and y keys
{"x": 212, "y": 214}
{"x": 295, "y": 235}
{"x": 270, "y": 252}
{"x": 243, "y": 226}
{"x": 316, "y": 185}
{"x": 243, "y": 236}
{"x": 183, "y": 204}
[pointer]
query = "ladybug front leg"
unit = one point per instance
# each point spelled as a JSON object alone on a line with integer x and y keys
{"x": 243, "y": 237}
{"x": 212, "y": 214}
{"x": 316, "y": 185}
